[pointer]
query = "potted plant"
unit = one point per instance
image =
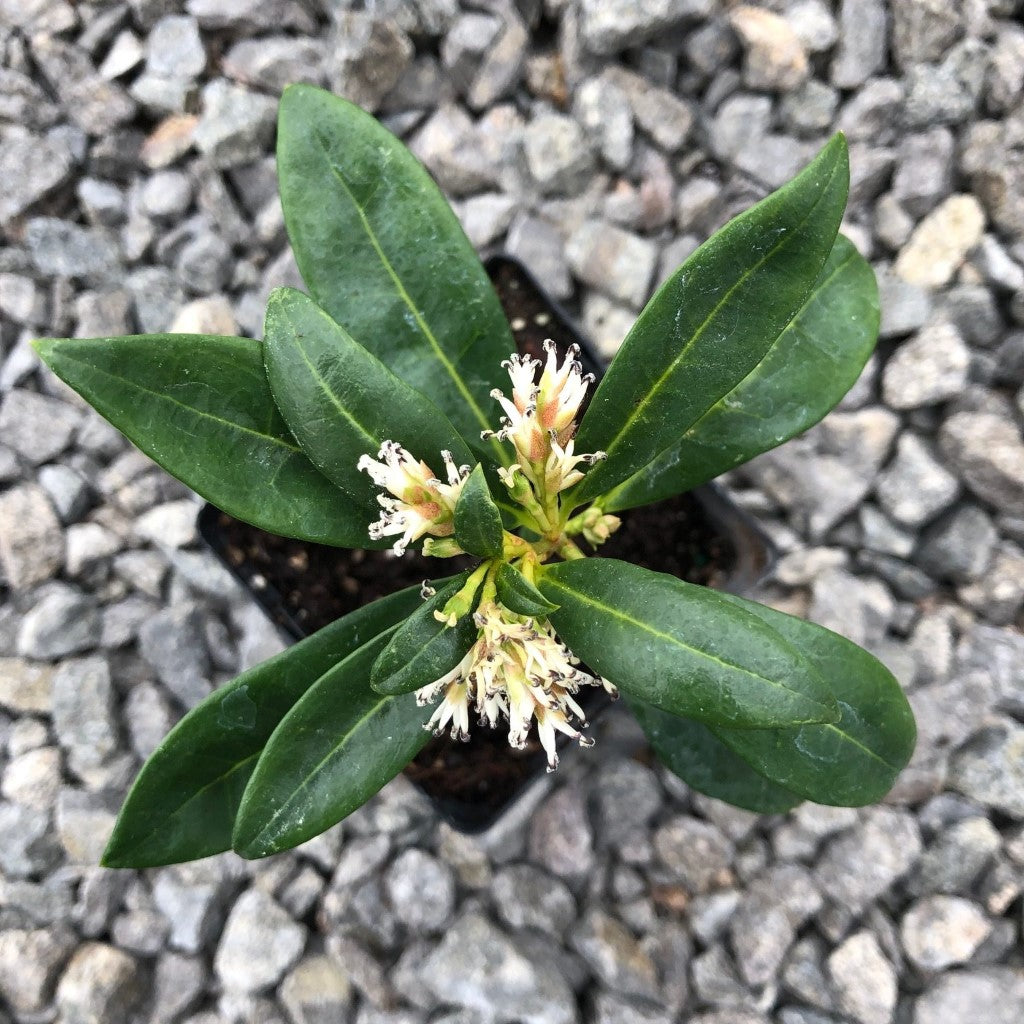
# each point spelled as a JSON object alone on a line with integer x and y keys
{"x": 364, "y": 420}
{"x": 303, "y": 586}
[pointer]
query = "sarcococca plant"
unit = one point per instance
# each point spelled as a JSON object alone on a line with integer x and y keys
{"x": 389, "y": 408}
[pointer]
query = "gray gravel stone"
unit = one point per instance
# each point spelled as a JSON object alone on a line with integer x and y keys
{"x": 930, "y": 368}
{"x": 987, "y": 453}
{"x": 994, "y": 995}
{"x": 65, "y": 621}
{"x": 627, "y": 797}
{"x": 174, "y": 48}
{"x": 84, "y": 823}
{"x": 481, "y": 969}
{"x": 100, "y": 983}
{"x": 316, "y": 991}
{"x": 905, "y": 307}
{"x": 68, "y": 489}
{"x": 236, "y": 125}
{"x": 774, "y": 54}
{"x": 924, "y": 170}
{"x": 863, "y": 37}
{"x": 610, "y": 25}
{"x": 192, "y": 905}
{"x": 32, "y": 778}
{"x": 697, "y": 854}
{"x": 178, "y": 985}
{"x": 915, "y": 487}
{"x": 540, "y": 247}
{"x": 766, "y": 921}
{"x": 528, "y": 898}
{"x": 603, "y": 109}
{"x": 83, "y": 715}
{"x": 864, "y": 979}
{"x": 26, "y": 688}
{"x": 558, "y": 155}
{"x": 62, "y": 249}
{"x": 617, "y": 262}
{"x": 366, "y": 57}
{"x": 941, "y": 931}
{"x": 959, "y": 546}
{"x": 861, "y": 864}
{"x": 421, "y": 890}
{"x": 561, "y": 838}
{"x": 273, "y": 62}
{"x": 923, "y": 30}
{"x": 451, "y": 147}
{"x": 957, "y": 857}
{"x": 614, "y": 955}
{"x": 30, "y": 963}
{"x": 173, "y": 643}
{"x": 989, "y": 768}
{"x": 260, "y": 942}
{"x": 31, "y": 542}
{"x": 31, "y": 167}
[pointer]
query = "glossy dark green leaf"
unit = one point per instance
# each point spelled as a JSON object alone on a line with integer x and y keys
{"x": 519, "y": 595}
{"x": 424, "y": 649}
{"x": 682, "y": 648}
{"x": 201, "y": 407}
{"x": 848, "y": 763}
{"x": 341, "y": 402}
{"x": 383, "y": 253}
{"x": 183, "y": 804}
{"x": 813, "y": 362}
{"x": 712, "y": 322}
{"x": 694, "y": 753}
{"x": 338, "y": 745}
{"x": 478, "y": 526}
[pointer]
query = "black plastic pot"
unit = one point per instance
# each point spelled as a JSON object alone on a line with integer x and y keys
{"x": 700, "y": 536}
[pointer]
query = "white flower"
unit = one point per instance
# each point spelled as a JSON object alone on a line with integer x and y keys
{"x": 517, "y": 669}
{"x": 541, "y": 413}
{"x": 418, "y": 502}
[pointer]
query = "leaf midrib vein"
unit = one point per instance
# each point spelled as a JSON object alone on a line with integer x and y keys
{"x": 698, "y": 333}
{"x": 405, "y": 297}
{"x": 646, "y": 627}
{"x": 162, "y": 396}
{"x": 752, "y": 373}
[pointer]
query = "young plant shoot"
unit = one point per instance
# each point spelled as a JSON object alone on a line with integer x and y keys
{"x": 389, "y": 408}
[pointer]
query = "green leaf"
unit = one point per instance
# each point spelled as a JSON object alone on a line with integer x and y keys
{"x": 694, "y": 753}
{"x": 183, "y": 804}
{"x": 341, "y": 402}
{"x": 681, "y": 647}
{"x": 382, "y": 252}
{"x": 814, "y": 361}
{"x": 201, "y": 407}
{"x": 338, "y": 745}
{"x": 519, "y": 595}
{"x": 847, "y": 763}
{"x": 711, "y": 323}
{"x": 424, "y": 649}
{"x": 478, "y": 528}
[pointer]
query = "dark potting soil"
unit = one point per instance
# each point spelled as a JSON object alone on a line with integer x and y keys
{"x": 307, "y": 586}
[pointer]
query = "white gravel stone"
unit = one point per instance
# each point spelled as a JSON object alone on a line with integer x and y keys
{"x": 259, "y": 944}
{"x": 941, "y": 242}
{"x": 864, "y": 979}
{"x": 930, "y": 368}
{"x": 941, "y": 931}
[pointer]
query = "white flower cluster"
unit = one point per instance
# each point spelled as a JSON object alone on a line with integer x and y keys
{"x": 517, "y": 668}
{"x": 418, "y": 503}
{"x": 540, "y": 420}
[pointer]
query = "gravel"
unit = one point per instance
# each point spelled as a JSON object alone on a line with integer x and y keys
{"x": 601, "y": 141}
